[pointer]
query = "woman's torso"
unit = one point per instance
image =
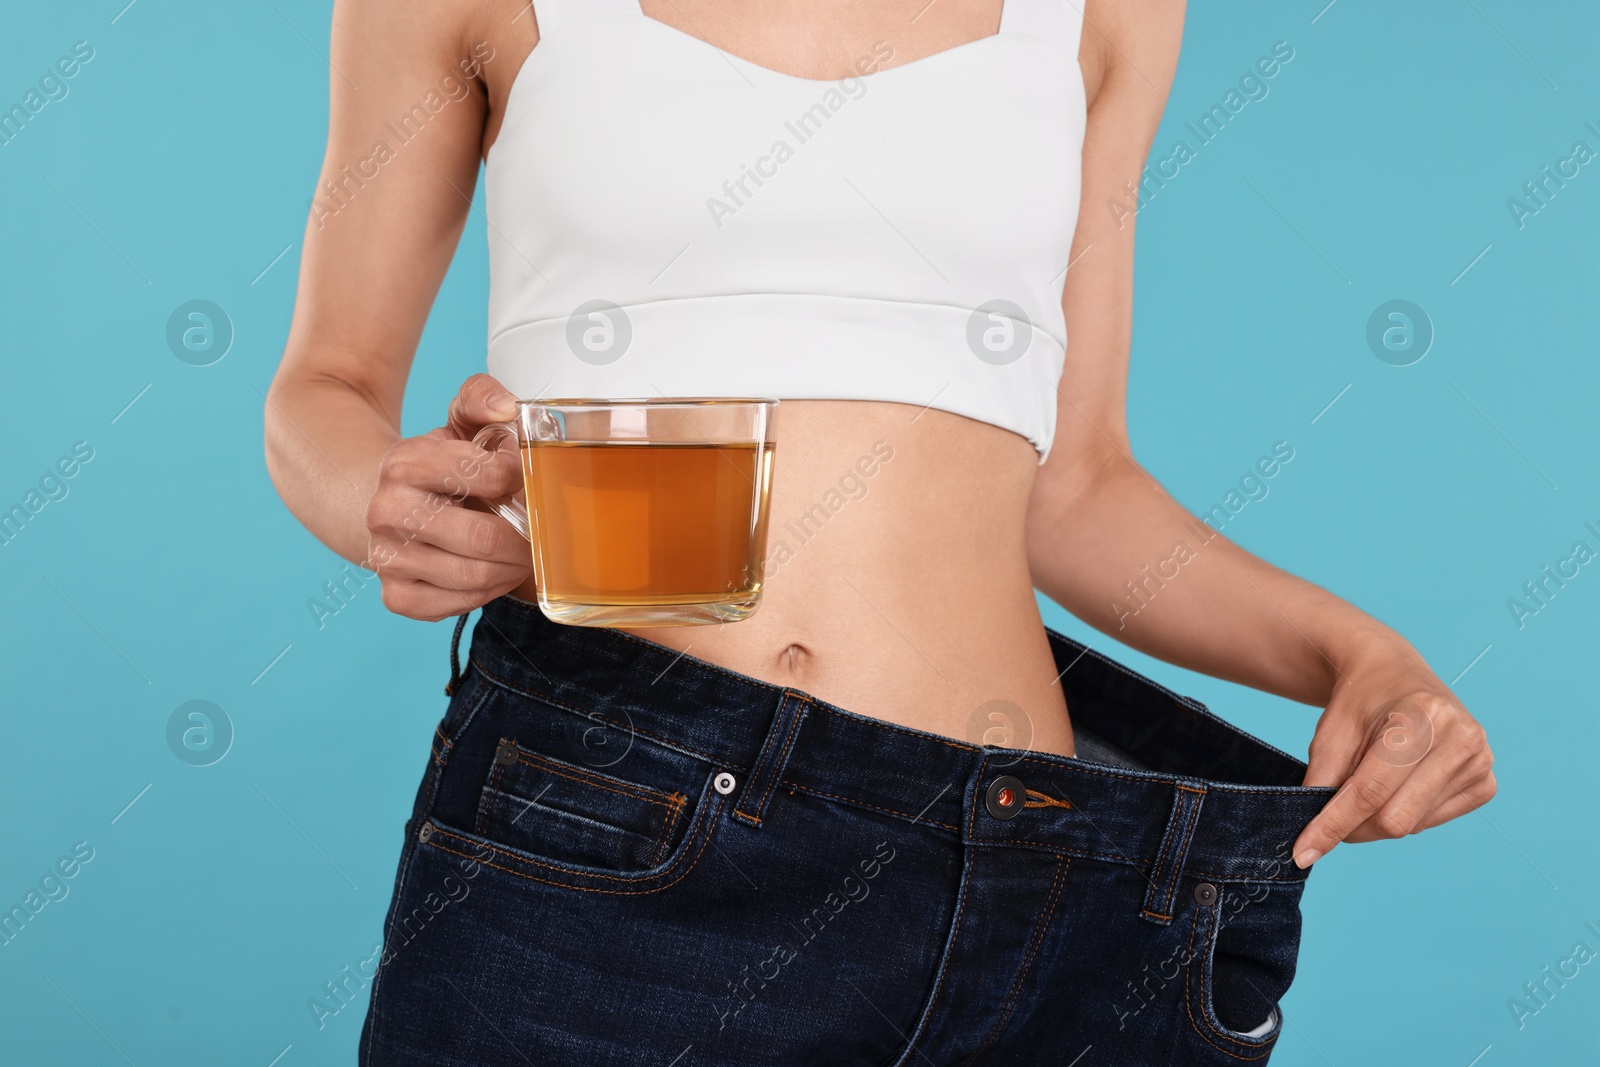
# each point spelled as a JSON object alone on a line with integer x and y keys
{"x": 897, "y": 583}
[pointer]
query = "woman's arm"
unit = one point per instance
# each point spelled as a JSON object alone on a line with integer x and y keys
{"x": 1109, "y": 544}
{"x": 405, "y": 136}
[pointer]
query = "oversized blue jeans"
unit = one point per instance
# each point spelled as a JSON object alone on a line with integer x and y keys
{"x": 620, "y": 855}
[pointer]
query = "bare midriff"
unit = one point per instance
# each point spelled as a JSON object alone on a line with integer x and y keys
{"x": 897, "y": 582}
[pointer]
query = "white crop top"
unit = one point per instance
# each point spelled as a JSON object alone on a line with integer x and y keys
{"x": 667, "y": 219}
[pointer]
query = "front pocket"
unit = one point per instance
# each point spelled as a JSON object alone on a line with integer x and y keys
{"x": 700, "y": 822}
{"x": 576, "y": 815}
{"x": 1242, "y": 960}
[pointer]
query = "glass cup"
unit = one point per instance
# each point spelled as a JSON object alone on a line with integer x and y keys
{"x": 643, "y": 512}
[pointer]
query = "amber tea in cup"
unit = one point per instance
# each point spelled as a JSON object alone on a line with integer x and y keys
{"x": 643, "y": 512}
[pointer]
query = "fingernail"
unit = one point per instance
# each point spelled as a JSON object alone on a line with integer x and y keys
{"x": 503, "y": 404}
{"x": 1306, "y": 857}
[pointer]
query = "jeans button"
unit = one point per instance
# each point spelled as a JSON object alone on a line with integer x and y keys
{"x": 724, "y": 783}
{"x": 1205, "y": 894}
{"x": 506, "y": 754}
{"x": 1005, "y": 796}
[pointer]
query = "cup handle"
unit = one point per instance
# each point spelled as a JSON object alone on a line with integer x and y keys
{"x": 490, "y": 439}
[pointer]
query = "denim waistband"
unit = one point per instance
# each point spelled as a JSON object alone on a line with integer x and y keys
{"x": 1214, "y": 802}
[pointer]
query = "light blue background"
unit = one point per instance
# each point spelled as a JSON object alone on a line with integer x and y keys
{"x": 219, "y": 903}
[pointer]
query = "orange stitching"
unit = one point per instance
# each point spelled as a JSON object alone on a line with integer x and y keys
{"x": 768, "y": 751}
{"x": 479, "y": 695}
{"x": 1188, "y": 1007}
{"x": 972, "y": 814}
{"x": 666, "y": 832}
{"x": 1207, "y": 877}
{"x": 655, "y": 853}
{"x": 1039, "y": 938}
{"x": 862, "y": 803}
{"x": 1286, "y": 792}
{"x": 440, "y": 753}
{"x": 673, "y": 803}
{"x": 438, "y": 830}
{"x": 1156, "y": 778}
{"x": 761, "y": 761}
{"x": 1141, "y": 862}
{"x": 486, "y": 807}
{"x": 1177, "y": 847}
{"x": 599, "y": 784}
{"x": 539, "y": 763}
{"x": 944, "y": 966}
{"x": 1183, "y": 848}
{"x": 1155, "y": 875}
{"x": 783, "y": 760}
{"x": 579, "y": 888}
{"x": 1045, "y": 801}
{"x": 1043, "y": 927}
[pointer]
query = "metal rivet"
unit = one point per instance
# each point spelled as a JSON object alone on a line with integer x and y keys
{"x": 506, "y": 754}
{"x": 425, "y": 833}
{"x": 1205, "y": 893}
{"x": 724, "y": 783}
{"x": 1004, "y": 799}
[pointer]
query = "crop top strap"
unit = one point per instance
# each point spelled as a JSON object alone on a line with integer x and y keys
{"x": 1059, "y": 21}
{"x": 552, "y": 15}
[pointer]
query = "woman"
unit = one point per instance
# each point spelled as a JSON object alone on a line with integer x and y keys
{"x": 811, "y": 837}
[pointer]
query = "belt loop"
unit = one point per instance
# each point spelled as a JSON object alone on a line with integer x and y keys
{"x": 769, "y": 765}
{"x": 1187, "y": 797}
{"x": 455, "y": 657}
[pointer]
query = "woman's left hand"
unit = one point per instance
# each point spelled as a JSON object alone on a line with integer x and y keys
{"x": 1404, "y": 752}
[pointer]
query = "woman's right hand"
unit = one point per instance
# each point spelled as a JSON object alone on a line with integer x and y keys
{"x": 435, "y": 555}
